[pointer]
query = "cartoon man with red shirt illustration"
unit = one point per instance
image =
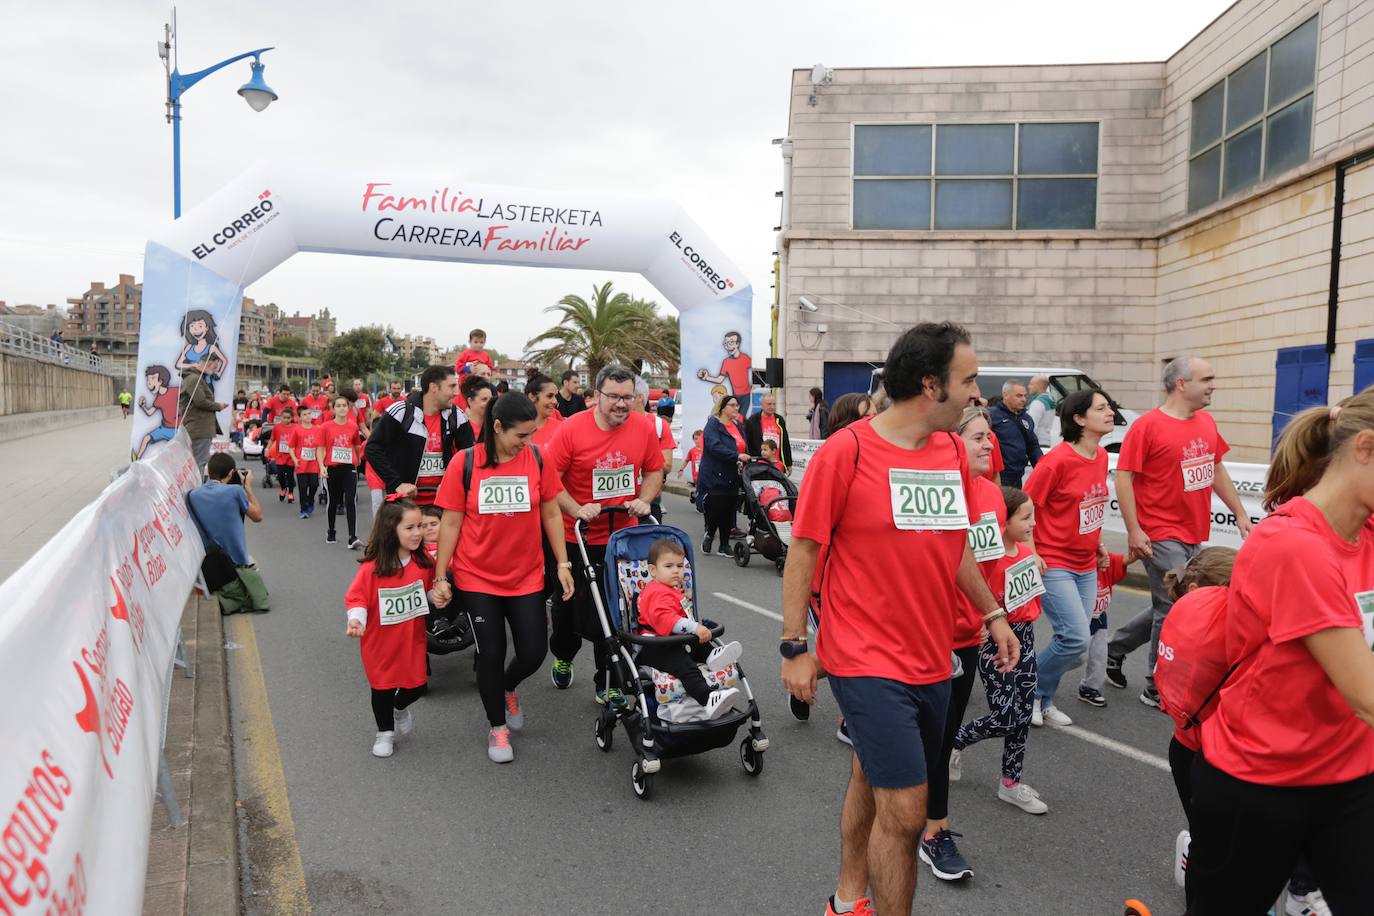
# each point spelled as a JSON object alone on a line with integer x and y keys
{"x": 164, "y": 404}
{"x": 734, "y": 368}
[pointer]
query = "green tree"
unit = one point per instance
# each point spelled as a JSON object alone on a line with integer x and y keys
{"x": 356, "y": 354}
{"x": 287, "y": 345}
{"x": 611, "y": 327}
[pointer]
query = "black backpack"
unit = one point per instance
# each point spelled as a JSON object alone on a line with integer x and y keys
{"x": 467, "y": 464}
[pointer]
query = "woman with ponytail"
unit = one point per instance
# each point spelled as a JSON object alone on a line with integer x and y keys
{"x": 1287, "y": 763}
{"x": 497, "y": 497}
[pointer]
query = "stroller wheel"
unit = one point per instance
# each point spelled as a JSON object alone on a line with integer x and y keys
{"x": 1136, "y": 908}
{"x": 643, "y": 782}
{"x": 750, "y": 759}
{"x": 781, "y": 564}
{"x": 604, "y": 732}
{"x": 741, "y": 554}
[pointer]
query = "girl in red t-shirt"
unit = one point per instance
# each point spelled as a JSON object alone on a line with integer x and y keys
{"x": 280, "y": 449}
{"x": 1287, "y": 765}
{"x": 490, "y": 536}
{"x": 1015, "y": 581}
{"x": 305, "y": 441}
{"x": 341, "y": 447}
{"x": 387, "y": 604}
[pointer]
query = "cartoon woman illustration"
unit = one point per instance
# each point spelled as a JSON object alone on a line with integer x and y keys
{"x": 198, "y": 327}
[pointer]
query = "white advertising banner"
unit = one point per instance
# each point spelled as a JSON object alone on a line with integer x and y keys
{"x": 275, "y": 210}
{"x": 87, "y": 632}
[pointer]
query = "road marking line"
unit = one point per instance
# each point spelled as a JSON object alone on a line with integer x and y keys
{"x": 771, "y": 615}
{"x": 1082, "y": 734}
{"x": 284, "y": 872}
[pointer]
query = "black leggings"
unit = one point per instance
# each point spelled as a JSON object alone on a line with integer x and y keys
{"x": 310, "y": 485}
{"x": 681, "y": 663}
{"x": 489, "y": 615}
{"x": 720, "y": 516}
{"x": 386, "y": 702}
{"x": 341, "y": 483}
{"x": 1248, "y": 838}
{"x": 937, "y": 769}
{"x": 575, "y": 619}
{"x": 286, "y": 477}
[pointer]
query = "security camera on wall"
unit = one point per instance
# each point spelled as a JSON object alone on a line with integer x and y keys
{"x": 821, "y": 75}
{"x": 807, "y": 305}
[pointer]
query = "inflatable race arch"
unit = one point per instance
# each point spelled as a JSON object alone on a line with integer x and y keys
{"x": 197, "y": 268}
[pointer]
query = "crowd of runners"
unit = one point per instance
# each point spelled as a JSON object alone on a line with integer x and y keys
{"x": 912, "y": 572}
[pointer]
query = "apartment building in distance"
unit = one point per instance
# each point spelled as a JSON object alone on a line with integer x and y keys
{"x": 1102, "y": 216}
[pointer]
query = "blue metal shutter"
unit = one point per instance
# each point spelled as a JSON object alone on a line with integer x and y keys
{"x": 1300, "y": 378}
{"x": 1364, "y": 364}
{"x": 843, "y": 378}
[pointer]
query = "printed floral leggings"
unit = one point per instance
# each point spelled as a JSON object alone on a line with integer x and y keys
{"x": 1010, "y": 697}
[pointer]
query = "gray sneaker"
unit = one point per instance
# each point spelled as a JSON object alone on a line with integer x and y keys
{"x": 498, "y": 746}
{"x": 1023, "y": 797}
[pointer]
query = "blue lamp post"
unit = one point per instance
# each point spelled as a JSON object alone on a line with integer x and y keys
{"x": 255, "y": 92}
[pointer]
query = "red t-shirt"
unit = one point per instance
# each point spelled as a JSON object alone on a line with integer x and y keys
{"x": 660, "y": 607}
{"x": 318, "y": 405}
{"x": 736, "y": 369}
{"x": 281, "y": 439}
{"x": 1015, "y": 583}
{"x": 736, "y": 434}
{"x": 770, "y": 429}
{"x": 500, "y": 548}
{"x": 543, "y": 436}
{"x": 394, "y": 654}
{"x": 384, "y": 402}
{"x": 336, "y": 438}
{"x": 988, "y": 512}
{"x": 1209, "y": 601}
{"x": 1070, "y": 496}
{"x": 472, "y": 356}
{"x": 693, "y": 462}
{"x": 1107, "y": 579}
{"x": 888, "y": 598}
{"x": 1280, "y": 721}
{"x": 997, "y": 461}
{"x": 166, "y": 404}
{"x": 586, "y": 458}
{"x": 666, "y": 442}
{"x": 1173, "y": 462}
{"x": 274, "y": 406}
{"x": 305, "y": 448}
{"x": 431, "y": 462}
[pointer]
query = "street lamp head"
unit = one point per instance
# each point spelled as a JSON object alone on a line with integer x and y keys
{"x": 256, "y": 92}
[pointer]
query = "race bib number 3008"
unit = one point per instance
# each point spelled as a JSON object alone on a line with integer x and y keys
{"x": 927, "y": 500}
{"x": 402, "y": 603}
{"x": 497, "y": 495}
{"x": 1198, "y": 473}
{"x": 610, "y": 483}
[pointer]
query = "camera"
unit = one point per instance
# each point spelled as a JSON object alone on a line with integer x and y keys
{"x": 235, "y": 477}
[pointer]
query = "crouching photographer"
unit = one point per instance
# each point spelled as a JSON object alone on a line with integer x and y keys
{"x": 219, "y": 507}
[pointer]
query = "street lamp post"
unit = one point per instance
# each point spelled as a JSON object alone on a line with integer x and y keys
{"x": 255, "y": 92}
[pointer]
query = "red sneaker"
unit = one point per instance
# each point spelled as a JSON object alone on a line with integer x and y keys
{"x": 290, "y": 497}
{"x": 862, "y": 907}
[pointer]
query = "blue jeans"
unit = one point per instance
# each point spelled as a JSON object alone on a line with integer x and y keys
{"x": 1068, "y": 603}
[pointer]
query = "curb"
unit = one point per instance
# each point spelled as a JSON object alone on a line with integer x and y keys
{"x": 212, "y": 872}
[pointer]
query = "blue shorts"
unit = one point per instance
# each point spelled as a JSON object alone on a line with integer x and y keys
{"x": 895, "y": 727}
{"x": 162, "y": 434}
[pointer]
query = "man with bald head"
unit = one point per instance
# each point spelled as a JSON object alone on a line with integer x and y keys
{"x": 1169, "y": 464}
{"x": 1040, "y": 408}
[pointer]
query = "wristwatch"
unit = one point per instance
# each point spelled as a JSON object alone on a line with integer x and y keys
{"x": 791, "y": 648}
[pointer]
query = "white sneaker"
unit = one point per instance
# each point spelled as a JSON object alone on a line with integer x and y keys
{"x": 1037, "y": 718}
{"x": 720, "y": 702}
{"x": 955, "y": 761}
{"x": 1052, "y": 716}
{"x": 515, "y": 715}
{"x": 382, "y": 747}
{"x": 727, "y": 654}
{"x": 498, "y": 746}
{"x": 1313, "y": 904}
{"x": 405, "y": 723}
{"x": 1181, "y": 856}
{"x": 1023, "y": 797}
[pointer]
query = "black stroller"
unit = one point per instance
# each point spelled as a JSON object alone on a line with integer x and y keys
{"x": 652, "y": 737}
{"x": 769, "y": 500}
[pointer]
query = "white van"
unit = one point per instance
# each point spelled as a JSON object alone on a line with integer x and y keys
{"x": 1063, "y": 382}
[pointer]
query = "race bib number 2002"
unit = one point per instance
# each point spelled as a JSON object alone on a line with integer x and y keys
{"x": 1023, "y": 583}
{"x": 402, "y": 603}
{"x": 611, "y": 483}
{"x": 927, "y": 500}
{"x": 985, "y": 538}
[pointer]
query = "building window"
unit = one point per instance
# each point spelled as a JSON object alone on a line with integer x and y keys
{"x": 1255, "y": 123}
{"x": 1032, "y": 175}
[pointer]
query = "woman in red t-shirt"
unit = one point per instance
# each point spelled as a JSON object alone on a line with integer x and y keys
{"x": 543, "y": 392}
{"x": 491, "y": 531}
{"x": 1287, "y": 765}
{"x": 1069, "y": 489}
{"x": 341, "y": 446}
{"x": 1014, "y": 578}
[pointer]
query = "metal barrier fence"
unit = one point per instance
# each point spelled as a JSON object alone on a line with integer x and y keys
{"x": 21, "y": 342}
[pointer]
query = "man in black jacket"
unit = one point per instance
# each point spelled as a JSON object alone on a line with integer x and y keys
{"x": 765, "y": 424}
{"x": 1015, "y": 433}
{"x": 413, "y": 441}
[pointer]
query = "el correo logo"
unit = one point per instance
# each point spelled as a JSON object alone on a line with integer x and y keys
{"x": 694, "y": 258}
{"x": 237, "y": 226}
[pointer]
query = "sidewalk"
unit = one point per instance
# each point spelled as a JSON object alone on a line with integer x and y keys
{"x": 49, "y": 478}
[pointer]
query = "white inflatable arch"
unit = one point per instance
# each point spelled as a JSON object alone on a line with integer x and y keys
{"x": 197, "y": 268}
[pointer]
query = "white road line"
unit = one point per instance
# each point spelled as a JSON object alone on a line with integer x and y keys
{"x": 1082, "y": 734}
{"x": 771, "y": 615}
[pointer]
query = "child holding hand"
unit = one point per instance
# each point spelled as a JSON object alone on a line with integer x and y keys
{"x": 1111, "y": 569}
{"x": 663, "y": 612}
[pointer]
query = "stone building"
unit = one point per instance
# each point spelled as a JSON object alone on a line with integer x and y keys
{"x": 1106, "y": 217}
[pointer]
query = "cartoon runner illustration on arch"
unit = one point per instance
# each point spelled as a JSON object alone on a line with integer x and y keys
{"x": 734, "y": 369}
{"x": 198, "y": 327}
{"x": 164, "y": 405}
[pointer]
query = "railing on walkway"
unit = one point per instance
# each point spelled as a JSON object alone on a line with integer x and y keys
{"x": 20, "y": 342}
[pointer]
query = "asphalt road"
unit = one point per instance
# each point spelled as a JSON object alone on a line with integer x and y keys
{"x": 439, "y": 829}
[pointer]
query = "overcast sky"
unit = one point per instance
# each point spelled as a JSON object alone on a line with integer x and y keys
{"x": 672, "y": 100}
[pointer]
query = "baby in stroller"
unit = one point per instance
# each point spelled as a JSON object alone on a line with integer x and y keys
{"x": 662, "y": 612}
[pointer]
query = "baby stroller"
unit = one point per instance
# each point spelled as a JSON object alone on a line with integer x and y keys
{"x": 770, "y": 498}
{"x": 653, "y": 736}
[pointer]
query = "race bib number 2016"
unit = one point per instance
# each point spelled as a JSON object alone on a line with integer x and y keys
{"x": 611, "y": 483}
{"x": 497, "y": 495}
{"x": 1023, "y": 583}
{"x": 402, "y": 603}
{"x": 927, "y": 500}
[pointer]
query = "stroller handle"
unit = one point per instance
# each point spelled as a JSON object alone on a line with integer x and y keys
{"x": 683, "y": 639}
{"x": 579, "y": 526}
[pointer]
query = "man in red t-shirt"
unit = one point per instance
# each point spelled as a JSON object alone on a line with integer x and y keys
{"x": 734, "y": 368}
{"x": 1170, "y": 462}
{"x": 607, "y": 456}
{"x": 887, "y": 499}
{"x": 273, "y": 406}
{"x": 317, "y": 402}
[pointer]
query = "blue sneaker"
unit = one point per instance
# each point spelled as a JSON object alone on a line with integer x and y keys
{"x": 940, "y": 853}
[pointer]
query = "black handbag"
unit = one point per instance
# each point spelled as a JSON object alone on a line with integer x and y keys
{"x": 218, "y": 568}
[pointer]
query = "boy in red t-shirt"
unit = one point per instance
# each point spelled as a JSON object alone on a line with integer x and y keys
{"x": 690, "y": 462}
{"x": 1111, "y": 569}
{"x": 475, "y": 353}
{"x": 768, "y": 451}
{"x": 663, "y": 611}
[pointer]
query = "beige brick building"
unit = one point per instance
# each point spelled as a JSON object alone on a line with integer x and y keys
{"x": 1105, "y": 216}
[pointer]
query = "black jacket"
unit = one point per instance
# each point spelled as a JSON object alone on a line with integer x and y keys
{"x": 395, "y": 452}
{"x": 1016, "y": 435}
{"x": 719, "y": 468}
{"x": 753, "y": 437}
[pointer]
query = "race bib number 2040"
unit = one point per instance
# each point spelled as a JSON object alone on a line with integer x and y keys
{"x": 927, "y": 500}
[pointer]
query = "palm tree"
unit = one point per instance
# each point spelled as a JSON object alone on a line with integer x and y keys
{"x": 611, "y": 327}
